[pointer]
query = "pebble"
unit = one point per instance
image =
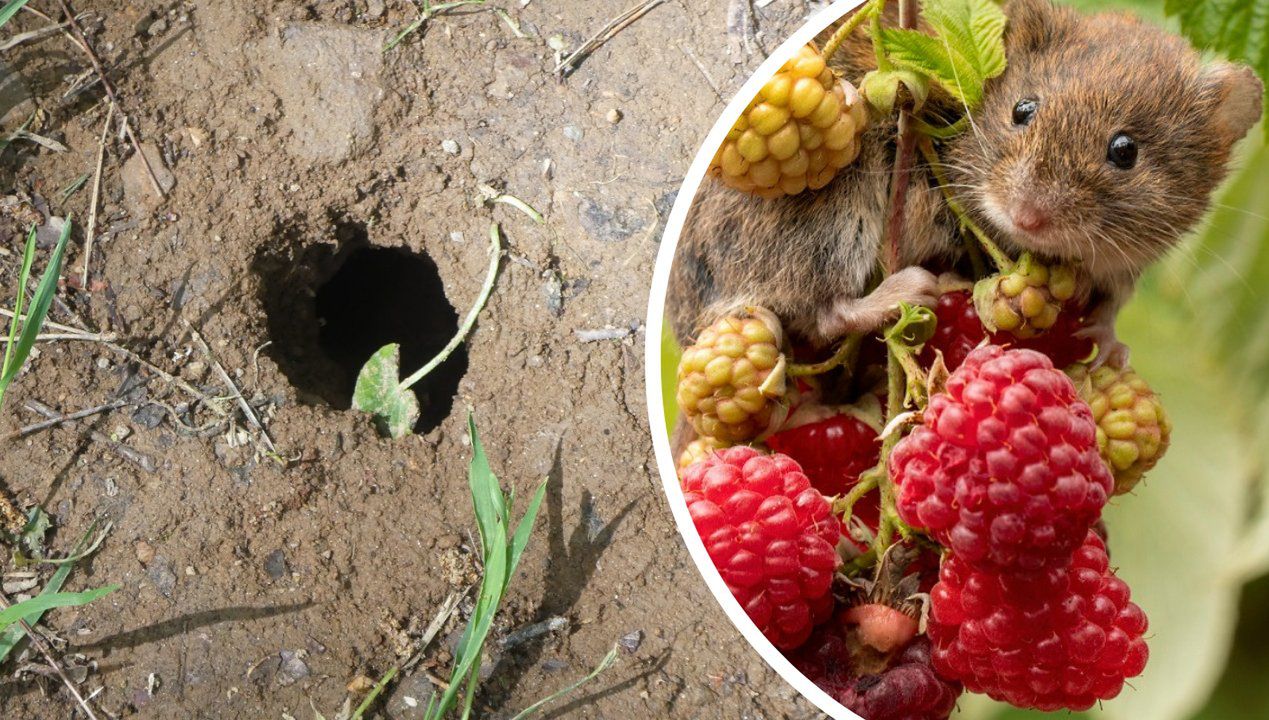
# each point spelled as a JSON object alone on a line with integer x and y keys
{"x": 275, "y": 564}
{"x": 614, "y": 116}
{"x": 450, "y": 146}
{"x": 631, "y": 641}
{"x": 375, "y": 8}
{"x": 572, "y": 132}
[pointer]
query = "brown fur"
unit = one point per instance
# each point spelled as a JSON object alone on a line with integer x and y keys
{"x": 1093, "y": 76}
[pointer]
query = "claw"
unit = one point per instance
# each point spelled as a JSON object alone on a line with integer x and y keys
{"x": 1110, "y": 350}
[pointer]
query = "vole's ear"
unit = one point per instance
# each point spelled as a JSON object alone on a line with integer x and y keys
{"x": 1239, "y": 97}
{"x": 1034, "y": 25}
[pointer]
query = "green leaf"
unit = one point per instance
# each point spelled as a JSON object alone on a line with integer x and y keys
{"x": 1236, "y": 28}
{"x": 10, "y": 637}
{"x": 881, "y": 88}
{"x": 966, "y": 50}
{"x": 10, "y": 9}
{"x": 42, "y": 603}
{"x": 379, "y": 392}
{"x": 15, "y": 356}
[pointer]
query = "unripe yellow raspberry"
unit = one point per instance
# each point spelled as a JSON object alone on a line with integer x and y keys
{"x": 802, "y": 128}
{"x": 731, "y": 381}
{"x": 698, "y": 450}
{"x": 1133, "y": 430}
{"x": 1027, "y": 300}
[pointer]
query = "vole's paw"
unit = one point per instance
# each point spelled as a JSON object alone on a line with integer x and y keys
{"x": 1110, "y": 349}
{"x": 913, "y": 285}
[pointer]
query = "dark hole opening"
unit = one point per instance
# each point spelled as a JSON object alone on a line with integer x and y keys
{"x": 332, "y": 309}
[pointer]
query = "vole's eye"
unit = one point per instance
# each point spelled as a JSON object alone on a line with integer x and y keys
{"x": 1122, "y": 152}
{"x": 1024, "y": 110}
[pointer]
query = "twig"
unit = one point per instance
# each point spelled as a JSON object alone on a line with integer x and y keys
{"x": 90, "y": 230}
{"x": 140, "y": 459}
{"x": 905, "y": 157}
{"x": 606, "y": 33}
{"x": 443, "y": 614}
{"x": 110, "y": 90}
{"x": 53, "y": 422}
{"x": 88, "y": 337}
{"x": 709, "y": 80}
{"x": 237, "y": 394}
{"x": 43, "y": 32}
{"x": 44, "y": 649}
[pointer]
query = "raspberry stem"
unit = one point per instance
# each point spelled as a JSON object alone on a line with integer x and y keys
{"x": 1002, "y": 261}
{"x": 844, "y": 356}
{"x": 847, "y": 28}
{"x": 844, "y": 506}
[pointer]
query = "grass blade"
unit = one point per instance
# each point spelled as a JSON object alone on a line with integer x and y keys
{"x": 24, "y": 276}
{"x": 525, "y": 529}
{"x": 603, "y": 665}
{"x": 374, "y": 693}
{"x": 13, "y": 635}
{"x": 42, "y": 603}
{"x": 10, "y": 9}
{"x": 35, "y": 315}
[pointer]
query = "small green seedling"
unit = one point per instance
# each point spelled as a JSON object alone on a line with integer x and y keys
{"x": 380, "y": 392}
{"x": 501, "y": 550}
{"x": 24, "y": 329}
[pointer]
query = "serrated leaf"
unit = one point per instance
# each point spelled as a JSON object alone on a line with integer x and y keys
{"x": 966, "y": 50}
{"x": 1237, "y": 28}
{"x": 881, "y": 89}
{"x": 379, "y": 392}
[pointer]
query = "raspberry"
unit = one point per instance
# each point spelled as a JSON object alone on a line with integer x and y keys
{"x": 833, "y": 448}
{"x": 959, "y": 331}
{"x": 698, "y": 450}
{"x": 1004, "y": 469}
{"x": 802, "y": 128}
{"x": 1133, "y": 430}
{"x": 904, "y": 688}
{"x": 771, "y": 535}
{"x": 1061, "y": 638}
{"x": 730, "y": 376}
{"x": 1027, "y": 300}
{"x": 881, "y": 626}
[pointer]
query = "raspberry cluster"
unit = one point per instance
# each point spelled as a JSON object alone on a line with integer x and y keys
{"x": 1133, "y": 430}
{"x": 770, "y": 534}
{"x": 1026, "y": 300}
{"x": 1064, "y": 637}
{"x": 796, "y": 134}
{"x": 731, "y": 378}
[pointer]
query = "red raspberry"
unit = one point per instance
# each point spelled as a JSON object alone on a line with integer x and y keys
{"x": 1062, "y": 638}
{"x": 905, "y": 688}
{"x": 959, "y": 331}
{"x": 1005, "y": 470}
{"x": 833, "y": 452}
{"x": 771, "y": 535}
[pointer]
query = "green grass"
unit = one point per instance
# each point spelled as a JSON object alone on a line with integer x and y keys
{"x": 23, "y": 330}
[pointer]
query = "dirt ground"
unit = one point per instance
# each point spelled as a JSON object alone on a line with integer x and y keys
{"x": 324, "y": 199}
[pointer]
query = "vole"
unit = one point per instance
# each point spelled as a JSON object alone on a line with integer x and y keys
{"x": 1100, "y": 144}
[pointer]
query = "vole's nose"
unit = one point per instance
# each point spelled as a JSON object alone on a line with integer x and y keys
{"x": 1029, "y": 217}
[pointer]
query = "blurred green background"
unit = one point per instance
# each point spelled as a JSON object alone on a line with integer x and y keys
{"x": 1193, "y": 540}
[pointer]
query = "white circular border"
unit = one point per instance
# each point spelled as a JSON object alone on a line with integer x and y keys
{"x": 656, "y": 312}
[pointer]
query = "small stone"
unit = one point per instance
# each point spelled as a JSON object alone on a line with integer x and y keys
{"x": 190, "y": 571}
{"x": 145, "y": 553}
{"x": 148, "y": 416}
{"x": 450, "y": 146}
{"x": 456, "y": 237}
{"x": 572, "y": 132}
{"x": 631, "y": 641}
{"x": 292, "y": 667}
{"x": 360, "y": 685}
{"x": 103, "y": 363}
{"x": 614, "y": 116}
{"x": 275, "y": 565}
{"x": 158, "y": 27}
{"x": 375, "y": 8}
{"x": 161, "y": 575}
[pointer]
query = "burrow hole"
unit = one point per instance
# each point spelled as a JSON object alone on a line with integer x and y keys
{"x": 330, "y": 307}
